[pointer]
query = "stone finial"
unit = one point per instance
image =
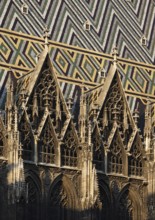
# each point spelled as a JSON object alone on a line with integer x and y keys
{"x": 23, "y": 96}
{"x": 136, "y": 115}
{"x": 46, "y": 37}
{"x": 115, "y": 54}
{"x": 89, "y": 133}
{"x": 82, "y": 116}
{"x": 115, "y": 113}
{"x": 10, "y": 90}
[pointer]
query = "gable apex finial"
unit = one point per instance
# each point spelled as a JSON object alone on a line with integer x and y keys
{"x": 115, "y": 54}
{"x": 46, "y": 37}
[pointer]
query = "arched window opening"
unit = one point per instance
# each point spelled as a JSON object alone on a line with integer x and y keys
{"x": 101, "y": 209}
{"x": 32, "y": 208}
{"x": 136, "y": 160}
{"x": 26, "y": 140}
{"x": 98, "y": 153}
{"x": 69, "y": 151}
{"x": 136, "y": 163}
{"x": 47, "y": 146}
{"x": 62, "y": 201}
{"x": 115, "y": 158}
{"x": 126, "y": 209}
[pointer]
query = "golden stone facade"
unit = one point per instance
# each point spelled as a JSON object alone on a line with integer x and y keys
{"x": 66, "y": 159}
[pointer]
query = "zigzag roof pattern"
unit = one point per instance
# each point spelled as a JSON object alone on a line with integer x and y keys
{"x": 112, "y": 22}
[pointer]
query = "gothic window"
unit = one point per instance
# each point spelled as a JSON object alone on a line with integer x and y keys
{"x": 1, "y": 144}
{"x": 101, "y": 208}
{"x": 26, "y": 139}
{"x": 59, "y": 203}
{"x": 98, "y": 152}
{"x": 32, "y": 208}
{"x": 59, "y": 196}
{"x": 115, "y": 158}
{"x": 47, "y": 146}
{"x": 69, "y": 151}
{"x": 125, "y": 211}
{"x": 136, "y": 161}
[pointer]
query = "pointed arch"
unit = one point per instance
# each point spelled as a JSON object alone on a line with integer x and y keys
{"x": 136, "y": 159}
{"x": 69, "y": 148}
{"x": 117, "y": 156}
{"x": 48, "y": 144}
{"x": 102, "y": 207}
{"x": 129, "y": 205}
{"x": 63, "y": 199}
{"x": 26, "y": 138}
{"x": 44, "y": 93}
{"x": 98, "y": 150}
{"x": 113, "y": 103}
{"x": 34, "y": 196}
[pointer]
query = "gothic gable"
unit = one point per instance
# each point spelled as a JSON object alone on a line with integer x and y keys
{"x": 40, "y": 93}
{"x": 113, "y": 104}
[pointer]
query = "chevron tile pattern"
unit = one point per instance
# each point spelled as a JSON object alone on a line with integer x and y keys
{"x": 112, "y": 22}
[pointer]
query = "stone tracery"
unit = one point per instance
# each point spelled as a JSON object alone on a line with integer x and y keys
{"x": 126, "y": 208}
{"x": 69, "y": 150}
{"x": 47, "y": 145}
{"x": 26, "y": 139}
{"x": 115, "y": 157}
{"x": 51, "y": 139}
{"x": 136, "y": 161}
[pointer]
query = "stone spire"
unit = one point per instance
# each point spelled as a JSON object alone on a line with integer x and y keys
{"x": 10, "y": 89}
{"x": 148, "y": 125}
{"x": 82, "y": 116}
{"x": 9, "y": 102}
{"x": 15, "y": 175}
